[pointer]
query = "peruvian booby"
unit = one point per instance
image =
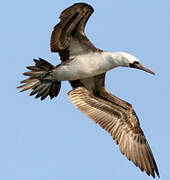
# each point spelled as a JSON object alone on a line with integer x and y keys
{"x": 85, "y": 66}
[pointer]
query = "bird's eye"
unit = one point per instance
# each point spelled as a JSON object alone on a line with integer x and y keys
{"x": 135, "y": 62}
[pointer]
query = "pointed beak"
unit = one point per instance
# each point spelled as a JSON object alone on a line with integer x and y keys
{"x": 137, "y": 65}
{"x": 144, "y": 68}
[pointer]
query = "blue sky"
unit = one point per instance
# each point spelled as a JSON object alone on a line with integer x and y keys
{"x": 52, "y": 139}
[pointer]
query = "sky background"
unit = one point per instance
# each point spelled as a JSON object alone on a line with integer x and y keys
{"x": 51, "y": 139}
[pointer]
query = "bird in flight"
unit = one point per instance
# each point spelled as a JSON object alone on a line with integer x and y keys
{"x": 85, "y": 67}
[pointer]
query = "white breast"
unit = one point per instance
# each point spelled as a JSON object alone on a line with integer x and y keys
{"x": 83, "y": 66}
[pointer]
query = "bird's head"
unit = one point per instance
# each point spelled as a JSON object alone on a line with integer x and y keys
{"x": 128, "y": 60}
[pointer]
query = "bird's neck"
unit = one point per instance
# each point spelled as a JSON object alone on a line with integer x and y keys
{"x": 114, "y": 59}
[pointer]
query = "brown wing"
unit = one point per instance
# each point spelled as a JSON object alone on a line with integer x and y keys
{"x": 119, "y": 119}
{"x": 68, "y": 37}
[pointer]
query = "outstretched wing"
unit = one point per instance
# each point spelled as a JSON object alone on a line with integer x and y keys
{"x": 120, "y": 120}
{"x": 68, "y": 37}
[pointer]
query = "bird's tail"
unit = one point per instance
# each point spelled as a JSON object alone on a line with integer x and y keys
{"x": 38, "y": 80}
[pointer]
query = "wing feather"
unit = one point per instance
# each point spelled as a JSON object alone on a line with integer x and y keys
{"x": 119, "y": 119}
{"x": 68, "y": 37}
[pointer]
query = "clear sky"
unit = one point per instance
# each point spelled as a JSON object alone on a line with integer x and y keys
{"x": 52, "y": 140}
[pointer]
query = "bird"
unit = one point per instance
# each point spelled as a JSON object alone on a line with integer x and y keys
{"x": 85, "y": 67}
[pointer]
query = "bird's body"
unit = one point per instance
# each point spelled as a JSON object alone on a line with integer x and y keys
{"x": 82, "y": 66}
{"x": 88, "y": 65}
{"x": 85, "y": 66}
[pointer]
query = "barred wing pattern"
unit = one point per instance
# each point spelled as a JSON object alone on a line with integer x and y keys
{"x": 120, "y": 120}
{"x": 68, "y": 37}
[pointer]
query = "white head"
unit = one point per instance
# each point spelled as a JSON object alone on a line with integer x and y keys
{"x": 128, "y": 60}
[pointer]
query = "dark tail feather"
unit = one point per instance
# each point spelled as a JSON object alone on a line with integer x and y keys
{"x": 35, "y": 82}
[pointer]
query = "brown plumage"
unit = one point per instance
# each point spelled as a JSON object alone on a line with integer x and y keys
{"x": 120, "y": 120}
{"x": 89, "y": 95}
{"x": 68, "y": 37}
{"x": 42, "y": 88}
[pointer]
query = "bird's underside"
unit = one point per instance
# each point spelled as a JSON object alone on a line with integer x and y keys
{"x": 89, "y": 95}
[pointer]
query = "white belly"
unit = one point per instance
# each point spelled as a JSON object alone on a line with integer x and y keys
{"x": 83, "y": 66}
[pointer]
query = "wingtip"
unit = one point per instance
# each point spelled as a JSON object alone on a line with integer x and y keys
{"x": 157, "y": 172}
